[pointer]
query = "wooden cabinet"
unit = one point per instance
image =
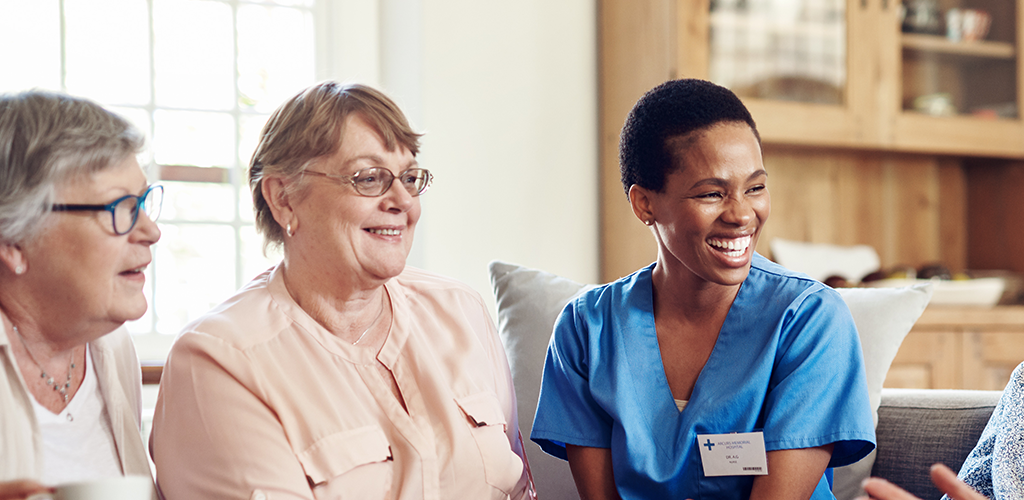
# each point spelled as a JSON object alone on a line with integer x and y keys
{"x": 886, "y": 73}
{"x": 960, "y": 348}
{"x": 866, "y": 170}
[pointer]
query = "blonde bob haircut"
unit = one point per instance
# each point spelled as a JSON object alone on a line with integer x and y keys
{"x": 309, "y": 127}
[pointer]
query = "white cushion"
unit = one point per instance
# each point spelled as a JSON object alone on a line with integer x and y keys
{"x": 529, "y": 301}
{"x": 822, "y": 260}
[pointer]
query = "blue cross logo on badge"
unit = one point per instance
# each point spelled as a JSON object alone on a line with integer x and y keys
{"x": 709, "y": 444}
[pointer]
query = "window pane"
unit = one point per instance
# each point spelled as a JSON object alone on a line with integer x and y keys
{"x": 275, "y": 55}
{"x": 140, "y": 118}
{"x": 194, "y": 54}
{"x": 194, "y": 138}
{"x": 253, "y": 260}
{"x": 107, "y": 49}
{"x": 195, "y": 270}
{"x": 250, "y": 127}
{"x": 30, "y": 45}
{"x": 197, "y": 201}
{"x": 295, "y": 3}
{"x": 245, "y": 201}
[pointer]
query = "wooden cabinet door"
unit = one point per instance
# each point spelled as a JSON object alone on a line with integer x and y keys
{"x": 809, "y": 77}
{"x": 981, "y": 82}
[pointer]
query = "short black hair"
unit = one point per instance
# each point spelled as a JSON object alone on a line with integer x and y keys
{"x": 673, "y": 109}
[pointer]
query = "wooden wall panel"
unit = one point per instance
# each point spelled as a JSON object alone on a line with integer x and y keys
{"x": 636, "y": 43}
{"x": 952, "y": 214}
{"x": 914, "y": 239}
{"x": 994, "y": 214}
{"x": 908, "y": 207}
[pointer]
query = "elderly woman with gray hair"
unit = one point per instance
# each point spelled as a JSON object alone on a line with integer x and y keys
{"x": 340, "y": 372}
{"x": 76, "y": 226}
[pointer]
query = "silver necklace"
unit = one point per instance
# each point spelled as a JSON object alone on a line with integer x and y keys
{"x": 379, "y": 313}
{"x": 61, "y": 388}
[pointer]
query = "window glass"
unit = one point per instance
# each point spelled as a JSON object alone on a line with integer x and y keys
{"x": 194, "y": 51}
{"x": 274, "y": 55}
{"x": 141, "y": 119}
{"x": 194, "y": 272}
{"x": 198, "y": 78}
{"x": 30, "y": 45}
{"x": 203, "y": 139}
{"x": 254, "y": 261}
{"x": 197, "y": 201}
{"x": 249, "y": 128}
{"x": 107, "y": 49}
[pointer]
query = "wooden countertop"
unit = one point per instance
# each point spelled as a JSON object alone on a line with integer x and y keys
{"x": 1004, "y": 317}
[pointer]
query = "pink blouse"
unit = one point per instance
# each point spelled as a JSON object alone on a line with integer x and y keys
{"x": 259, "y": 401}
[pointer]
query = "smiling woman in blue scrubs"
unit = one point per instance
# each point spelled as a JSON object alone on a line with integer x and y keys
{"x": 713, "y": 372}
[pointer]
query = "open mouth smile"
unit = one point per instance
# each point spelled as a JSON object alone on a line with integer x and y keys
{"x": 384, "y": 232}
{"x": 731, "y": 247}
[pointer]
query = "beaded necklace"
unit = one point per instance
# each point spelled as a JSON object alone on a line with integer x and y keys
{"x": 62, "y": 388}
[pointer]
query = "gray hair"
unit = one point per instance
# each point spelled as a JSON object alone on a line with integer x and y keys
{"x": 46, "y": 139}
{"x": 308, "y": 127}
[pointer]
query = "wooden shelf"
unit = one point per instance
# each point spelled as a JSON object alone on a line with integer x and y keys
{"x": 942, "y": 45}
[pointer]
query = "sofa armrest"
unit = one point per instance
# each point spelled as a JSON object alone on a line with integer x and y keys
{"x": 919, "y": 427}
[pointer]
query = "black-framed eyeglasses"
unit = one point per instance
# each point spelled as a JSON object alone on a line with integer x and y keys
{"x": 375, "y": 181}
{"x": 124, "y": 211}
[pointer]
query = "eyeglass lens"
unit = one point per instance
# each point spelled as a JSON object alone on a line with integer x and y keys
{"x": 126, "y": 212}
{"x": 376, "y": 181}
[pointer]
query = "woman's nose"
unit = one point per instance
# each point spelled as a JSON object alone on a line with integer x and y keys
{"x": 145, "y": 230}
{"x": 397, "y": 198}
{"x": 738, "y": 211}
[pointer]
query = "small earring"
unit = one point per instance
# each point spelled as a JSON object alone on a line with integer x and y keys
{"x": 649, "y": 222}
{"x": 19, "y": 270}
{"x": 288, "y": 229}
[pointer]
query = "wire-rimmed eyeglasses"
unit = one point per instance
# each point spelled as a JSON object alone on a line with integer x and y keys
{"x": 375, "y": 181}
{"x": 124, "y": 211}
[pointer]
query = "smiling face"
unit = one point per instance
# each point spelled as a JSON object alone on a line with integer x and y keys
{"x": 353, "y": 236}
{"x": 708, "y": 217}
{"x": 77, "y": 264}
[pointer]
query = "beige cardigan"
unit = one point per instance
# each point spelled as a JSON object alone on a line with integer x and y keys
{"x": 120, "y": 381}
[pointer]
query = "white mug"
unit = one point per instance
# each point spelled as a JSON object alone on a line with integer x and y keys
{"x": 115, "y": 488}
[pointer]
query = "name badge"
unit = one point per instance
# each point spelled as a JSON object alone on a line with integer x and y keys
{"x": 736, "y": 454}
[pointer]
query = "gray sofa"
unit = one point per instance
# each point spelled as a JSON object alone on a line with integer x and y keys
{"x": 916, "y": 428}
{"x": 919, "y": 427}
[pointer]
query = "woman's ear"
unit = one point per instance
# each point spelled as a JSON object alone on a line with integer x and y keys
{"x": 276, "y": 193}
{"x": 13, "y": 258}
{"x": 641, "y": 202}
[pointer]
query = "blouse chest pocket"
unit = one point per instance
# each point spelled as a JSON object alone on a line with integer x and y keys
{"x": 502, "y": 467}
{"x": 355, "y": 464}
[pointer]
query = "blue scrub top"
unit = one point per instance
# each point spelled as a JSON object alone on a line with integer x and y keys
{"x": 787, "y": 362}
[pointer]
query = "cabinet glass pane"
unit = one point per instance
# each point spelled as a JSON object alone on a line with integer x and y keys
{"x": 960, "y": 58}
{"x": 791, "y": 50}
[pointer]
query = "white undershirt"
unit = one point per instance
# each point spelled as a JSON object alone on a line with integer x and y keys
{"x": 681, "y": 403}
{"x": 77, "y": 443}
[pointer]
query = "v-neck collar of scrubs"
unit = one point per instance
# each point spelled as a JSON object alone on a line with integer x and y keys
{"x": 643, "y": 353}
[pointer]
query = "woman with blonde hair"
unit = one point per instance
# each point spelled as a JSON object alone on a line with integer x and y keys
{"x": 340, "y": 372}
